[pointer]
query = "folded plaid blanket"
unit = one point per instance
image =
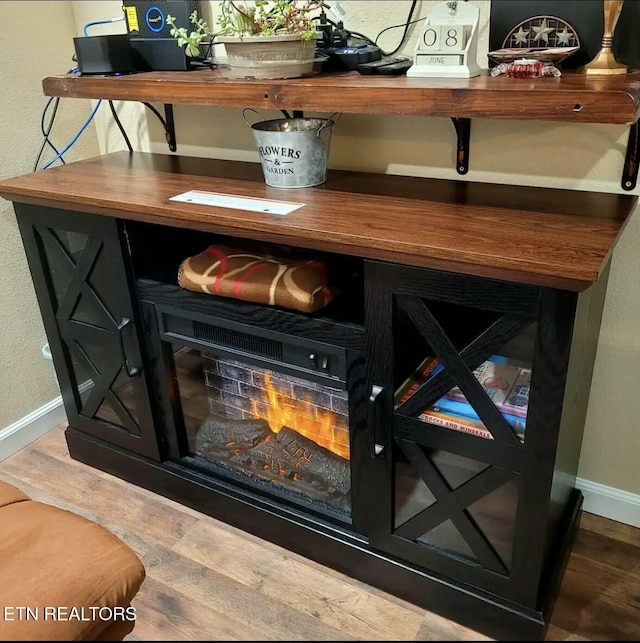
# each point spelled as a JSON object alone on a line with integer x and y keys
{"x": 261, "y": 278}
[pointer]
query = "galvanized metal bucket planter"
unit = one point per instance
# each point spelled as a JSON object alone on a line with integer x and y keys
{"x": 294, "y": 152}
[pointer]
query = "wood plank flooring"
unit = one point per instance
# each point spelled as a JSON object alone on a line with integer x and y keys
{"x": 209, "y": 581}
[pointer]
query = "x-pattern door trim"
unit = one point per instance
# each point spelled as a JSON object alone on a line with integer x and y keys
{"x": 78, "y": 274}
{"x": 452, "y": 505}
{"x": 101, "y": 390}
{"x": 455, "y": 365}
{"x": 105, "y": 373}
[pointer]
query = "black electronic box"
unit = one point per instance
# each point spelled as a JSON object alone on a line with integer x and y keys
{"x": 153, "y": 46}
{"x": 108, "y": 55}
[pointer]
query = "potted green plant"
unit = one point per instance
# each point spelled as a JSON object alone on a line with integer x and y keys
{"x": 262, "y": 39}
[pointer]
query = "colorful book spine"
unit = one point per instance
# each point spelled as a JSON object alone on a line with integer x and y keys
{"x": 466, "y": 410}
{"x": 456, "y": 423}
{"x": 428, "y": 367}
{"x": 518, "y": 399}
{"x": 459, "y": 423}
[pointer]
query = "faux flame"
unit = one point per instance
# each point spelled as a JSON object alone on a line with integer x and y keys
{"x": 283, "y": 410}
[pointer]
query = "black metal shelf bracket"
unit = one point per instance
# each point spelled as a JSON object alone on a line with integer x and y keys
{"x": 632, "y": 159}
{"x": 170, "y": 128}
{"x": 167, "y": 123}
{"x": 463, "y": 132}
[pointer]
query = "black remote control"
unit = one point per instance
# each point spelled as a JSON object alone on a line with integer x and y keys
{"x": 395, "y": 69}
{"x": 376, "y": 66}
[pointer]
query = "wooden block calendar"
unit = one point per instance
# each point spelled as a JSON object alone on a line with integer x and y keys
{"x": 448, "y": 45}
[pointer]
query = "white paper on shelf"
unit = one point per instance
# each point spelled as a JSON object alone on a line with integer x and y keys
{"x": 237, "y": 202}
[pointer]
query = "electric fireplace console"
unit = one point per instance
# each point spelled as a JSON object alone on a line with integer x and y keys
{"x": 294, "y": 426}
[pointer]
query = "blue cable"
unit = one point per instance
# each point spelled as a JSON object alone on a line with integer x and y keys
{"x": 95, "y": 109}
{"x": 98, "y": 22}
{"x": 75, "y": 138}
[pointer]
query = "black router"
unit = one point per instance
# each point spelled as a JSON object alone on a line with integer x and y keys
{"x": 108, "y": 55}
{"x": 153, "y": 46}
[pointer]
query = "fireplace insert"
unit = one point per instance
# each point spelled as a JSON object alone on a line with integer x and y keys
{"x": 263, "y": 398}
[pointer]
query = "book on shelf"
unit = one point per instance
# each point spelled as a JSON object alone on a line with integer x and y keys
{"x": 455, "y": 422}
{"x": 428, "y": 367}
{"x": 465, "y": 410}
{"x": 435, "y": 415}
{"x": 505, "y": 382}
{"x": 517, "y": 401}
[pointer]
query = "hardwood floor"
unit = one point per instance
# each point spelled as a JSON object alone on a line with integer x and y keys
{"x": 209, "y": 581}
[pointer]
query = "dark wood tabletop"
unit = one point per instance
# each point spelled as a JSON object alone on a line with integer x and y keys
{"x": 543, "y": 236}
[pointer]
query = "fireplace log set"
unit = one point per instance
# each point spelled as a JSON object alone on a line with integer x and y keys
{"x": 287, "y": 455}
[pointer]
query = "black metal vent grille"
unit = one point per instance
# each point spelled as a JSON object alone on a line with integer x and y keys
{"x": 236, "y": 339}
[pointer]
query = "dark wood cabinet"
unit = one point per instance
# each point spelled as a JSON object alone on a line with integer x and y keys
{"x": 80, "y": 271}
{"x": 492, "y": 513}
{"x": 477, "y": 529}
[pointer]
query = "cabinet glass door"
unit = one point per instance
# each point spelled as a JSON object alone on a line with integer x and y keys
{"x": 80, "y": 277}
{"x": 449, "y": 384}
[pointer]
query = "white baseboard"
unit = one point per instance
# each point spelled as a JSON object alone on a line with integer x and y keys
{"x": 609, "y": 502}
{"x": 31, "y": 427}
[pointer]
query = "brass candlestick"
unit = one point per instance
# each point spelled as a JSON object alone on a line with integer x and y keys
{"x": 605, "y": 62}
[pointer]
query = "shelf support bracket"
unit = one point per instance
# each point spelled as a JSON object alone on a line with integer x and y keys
{"x": 632, "y": 159}
{"x": 463, "y": 132}
{"x": 170, "y": 128}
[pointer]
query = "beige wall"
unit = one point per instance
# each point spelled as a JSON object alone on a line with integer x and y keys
{"x": 586, "y": 157}
{"x": 26, "y": 378}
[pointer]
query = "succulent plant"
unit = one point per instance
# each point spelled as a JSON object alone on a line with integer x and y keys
{"x": 258, "y": 18}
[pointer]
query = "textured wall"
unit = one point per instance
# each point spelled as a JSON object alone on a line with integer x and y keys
{"x": 26, "y": 378}
{"x": 585, "y": 157}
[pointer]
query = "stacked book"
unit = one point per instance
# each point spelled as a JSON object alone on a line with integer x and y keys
{"x": 505, "y": 382}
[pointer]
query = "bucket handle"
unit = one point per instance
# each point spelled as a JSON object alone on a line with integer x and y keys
{"x": 327, "y": 121}
{"x": 255, "y": 111}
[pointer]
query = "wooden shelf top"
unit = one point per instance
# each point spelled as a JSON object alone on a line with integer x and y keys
{"x": 541, "y": 236}
{"x": 573, "y": 97}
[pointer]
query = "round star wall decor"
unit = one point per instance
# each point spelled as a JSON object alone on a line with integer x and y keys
{"x": 542, "y": 31}
{"x": 544, "y": 38}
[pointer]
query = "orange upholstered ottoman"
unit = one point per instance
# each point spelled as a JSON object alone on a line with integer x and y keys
{"x": 62, "y": 577}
